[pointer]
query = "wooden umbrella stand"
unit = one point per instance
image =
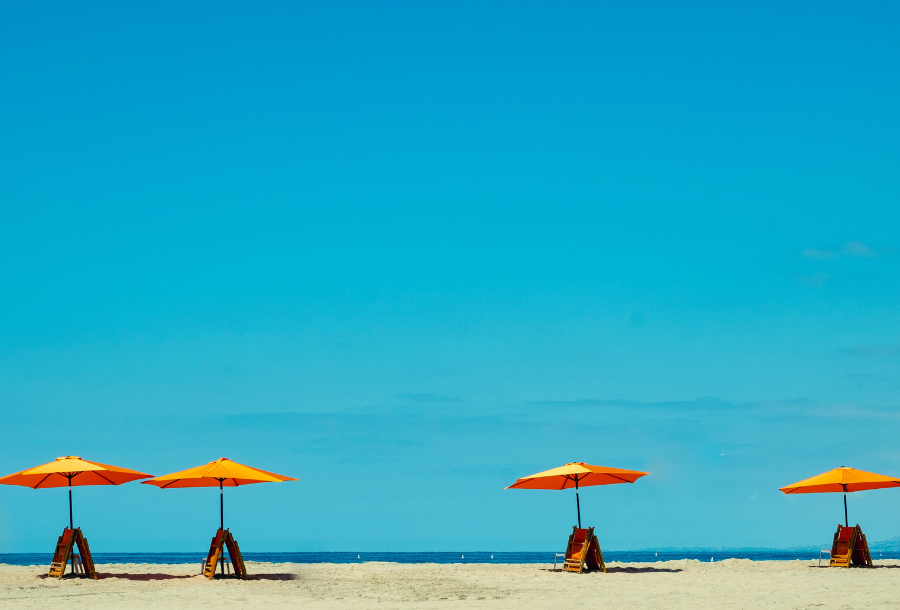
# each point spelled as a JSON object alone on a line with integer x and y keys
{"x": 221, "y": 541}
{"x": 583, "y": 552}
{"x": 850, "y": 548}
{"x": 82, "y": 562}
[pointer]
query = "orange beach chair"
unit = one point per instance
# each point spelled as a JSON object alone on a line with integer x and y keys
{"x": 850, "y": 548}
{"x": 81, "y": 564}
{"x": 583, "y": 552}
{"x": 221, "y": 541}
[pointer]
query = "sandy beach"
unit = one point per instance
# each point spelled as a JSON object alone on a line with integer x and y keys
{"x": 675, "y": 584}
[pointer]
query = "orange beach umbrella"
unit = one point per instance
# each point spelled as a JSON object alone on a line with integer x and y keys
{"x": 577, "y": 474}
{"x": 72, "y": 470}
{"x": 841, "y": 480}
{"x": 220, "y": 473}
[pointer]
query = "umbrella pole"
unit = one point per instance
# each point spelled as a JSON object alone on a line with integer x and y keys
{"x": 846, "y": 523}
{"x": 222, "y": 522}
{"x": 578, "y": 503}
{"x": 71, "y": 527}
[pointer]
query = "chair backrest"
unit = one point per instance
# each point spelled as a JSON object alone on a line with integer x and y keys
{"x": 63, "y": 545}
{"x": 234, "y": 551}
{"x": 215, "y": 545}
{"x": 62, "y": 553}
{"x": 861, "y": 555}
{"x": 845, "y": 541}
{"x": 594, "y": 558}
{"x": 844, "y": 533}
{"x": 578, "y": 543}
{"x": 579, "y": 535}
{"x": 87, "y": 562}
{"x": 212, "y": 557}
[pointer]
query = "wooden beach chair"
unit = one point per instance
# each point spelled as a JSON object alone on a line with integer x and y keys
{"x": 63, "y": 553}
{"x": 87, "y": 562}
{"x": 861, "y": 555}
{"x": 222, "y": 541}
{"x": 849, "y": 548}
{"x": 235, "y": 553}
{"x": 212, "y": 558}
{"x": 583, "y": 552}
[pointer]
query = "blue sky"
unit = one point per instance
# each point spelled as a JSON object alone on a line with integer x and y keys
{"x": 408, "y": 252}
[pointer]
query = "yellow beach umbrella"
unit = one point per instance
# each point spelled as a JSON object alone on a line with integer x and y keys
{"x": 577, "y": 474}
{"x": 72, "y": 470}
{"x": 841, "y": 480}
{"x": 220, "y": 473}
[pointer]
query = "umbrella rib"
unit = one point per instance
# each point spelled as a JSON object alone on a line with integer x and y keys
{"x": 170, "y": 483}
{"x": 42, "y": 480}
{"x": 104, "y": 478}
{"x": 615, "y": 477}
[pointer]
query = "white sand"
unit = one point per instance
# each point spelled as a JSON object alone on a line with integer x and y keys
{"x": 731, "y": 583}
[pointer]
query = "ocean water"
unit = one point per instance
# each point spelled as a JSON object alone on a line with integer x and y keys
{"x": 642, "y": 556}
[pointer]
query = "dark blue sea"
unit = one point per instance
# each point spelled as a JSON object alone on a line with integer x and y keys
{"x": 642, "y": 556}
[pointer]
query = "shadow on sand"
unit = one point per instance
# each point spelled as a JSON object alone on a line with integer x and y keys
{"x": 69, "y": 576}
{"x": 641, "y": 570}
{"x": 647, "y": 570}
{"x": 274, "y": 577}
{"x": 145, "y": 577}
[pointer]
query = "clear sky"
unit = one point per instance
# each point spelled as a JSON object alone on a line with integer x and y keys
{"x": 408, "y": 252}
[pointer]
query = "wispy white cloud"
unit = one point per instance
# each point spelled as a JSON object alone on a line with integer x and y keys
{"x": 850, "y": 248}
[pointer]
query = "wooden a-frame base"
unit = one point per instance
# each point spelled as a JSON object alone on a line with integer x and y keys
{"x": 850, "y": 548}
{"x": 583, "y": 552}
{"x": 221, "y": 541}
{"x": 82, "y": 564}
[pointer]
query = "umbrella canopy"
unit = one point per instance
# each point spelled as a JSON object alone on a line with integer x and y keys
{"x": 216, "y": 474}
{"x": 72, "y": 470}
{"x": 220, "y": 473}
{"x": 841, "y": 480}
{"x": 577, "y": 474}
